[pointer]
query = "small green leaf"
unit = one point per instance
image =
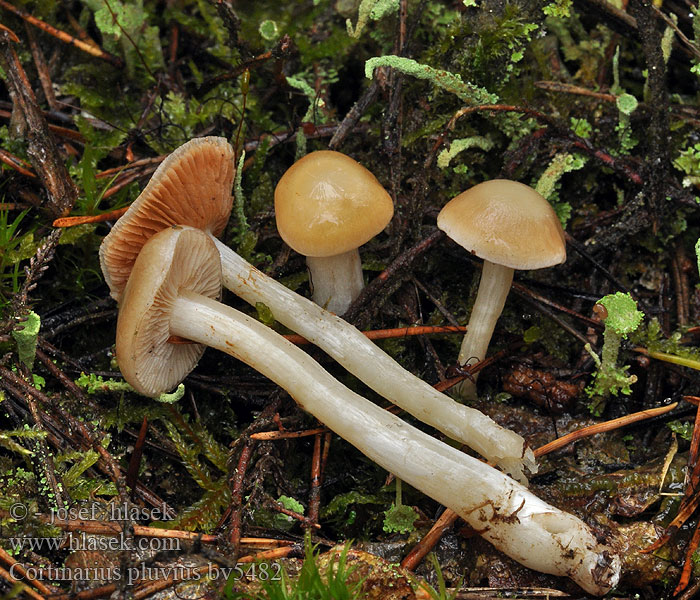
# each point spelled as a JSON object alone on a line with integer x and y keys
{"x": 684, "y": 429}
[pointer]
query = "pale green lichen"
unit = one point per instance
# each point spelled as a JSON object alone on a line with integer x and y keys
{"x": 626, "y": 105}
{"x": 688, "y": 161}
{"x": 25, "y": 335}
{"x": 559, "y": 8}
{"x": 549, "y": 182}
{"x": 239, "y": 197}
{"x": 623, "y": 316}
{"x": 370, "y": 9}
{"x": 622, "y": 319}
{"x": 668, "y": 37}
{"x": 457, "y": 146}
{"x": 315, "y": 103}
{"x": 92, "y": 384}
{"x": 450, "y": 82}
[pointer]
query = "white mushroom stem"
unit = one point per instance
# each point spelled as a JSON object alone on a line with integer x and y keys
{"x": 336, "y": 280}
{"x": 518, "y": 523}
{"x": 490, "y": 299}
{"x": 376, "y": 368}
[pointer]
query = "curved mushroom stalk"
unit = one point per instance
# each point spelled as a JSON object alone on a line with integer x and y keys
{"x": 505, "y": 512}
{"x": 376, "y": 368}
{"x": 490, "y": 299}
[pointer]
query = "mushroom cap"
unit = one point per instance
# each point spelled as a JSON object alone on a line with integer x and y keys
{"x": 327, "y": 204}
{"x": 173, "y": 260}
{"x": 507, "y": 223}
{"x": 192, "y": 186}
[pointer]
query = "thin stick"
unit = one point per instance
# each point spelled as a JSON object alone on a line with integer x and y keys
{"x": 567, "y": 88}
{"x": 603, "y": 427}
{"x": 237, "y": 494}
{"x": 22, "y": 572}
{"x": 316, "y": 476}
{"x": 281, "y": 435}
{"x": 382, "y": 334}
{"x": 132, "y": 473}
{"x": 23, "y": 586}
{"x": 63, "y": 36}
{"x": 270, "y": 554}
{"x": 112, "y": 215}
{"x": 16, "y": 163}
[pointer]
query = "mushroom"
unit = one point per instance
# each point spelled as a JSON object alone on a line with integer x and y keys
{"x": 172, "y": 291}
{"x": 192, "y": 186}
{"x": 510, "y": 226}
{"x": 339, "y": 339}
{"x": 327, "y": 205}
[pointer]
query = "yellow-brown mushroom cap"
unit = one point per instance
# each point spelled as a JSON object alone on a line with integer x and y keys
{"x": 174, "y": 259}
{"x": 507, "y": 223}
{"x": 192, "y": 186}
{"x": 327, "y": 204}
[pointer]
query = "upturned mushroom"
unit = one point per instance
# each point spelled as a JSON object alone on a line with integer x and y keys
{"x": 510, "y": 226}
{"x": 326, "y": 206}
{"x": 342, "y": 341}
{"x": 192, "y": 186}
{"x": 172, "y": 291}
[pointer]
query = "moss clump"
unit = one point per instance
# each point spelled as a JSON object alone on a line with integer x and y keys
{"x": 621, "y": 317}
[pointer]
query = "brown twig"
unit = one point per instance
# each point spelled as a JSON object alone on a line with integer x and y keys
{"x": 317, "y": 468}
{"x": 305, "y": 521}
{"x": 286, "y": 435}
{"x": 63, "y": 36}
{"x": 688, "y": 562}
{"x": 16, "y": 163}
{"x": 272, "y": 554}
{"x": 42, "y": 68}
{"x": 396, "y": 332}
{"x": 618, "y": 423}
{"x": 237, "y": 494}
{"x": 281, "y": 49}
{"x": 132, "y": 473}
{"x": 12, "y": 581}
{"x": 42, "y": 150}
{"x": 22, "y": 572}
{"x": 569, "y": 88}
{"x": 112, "y": 215}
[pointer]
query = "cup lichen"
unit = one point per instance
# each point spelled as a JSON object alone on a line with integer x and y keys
{"x": 621, "y": 317}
